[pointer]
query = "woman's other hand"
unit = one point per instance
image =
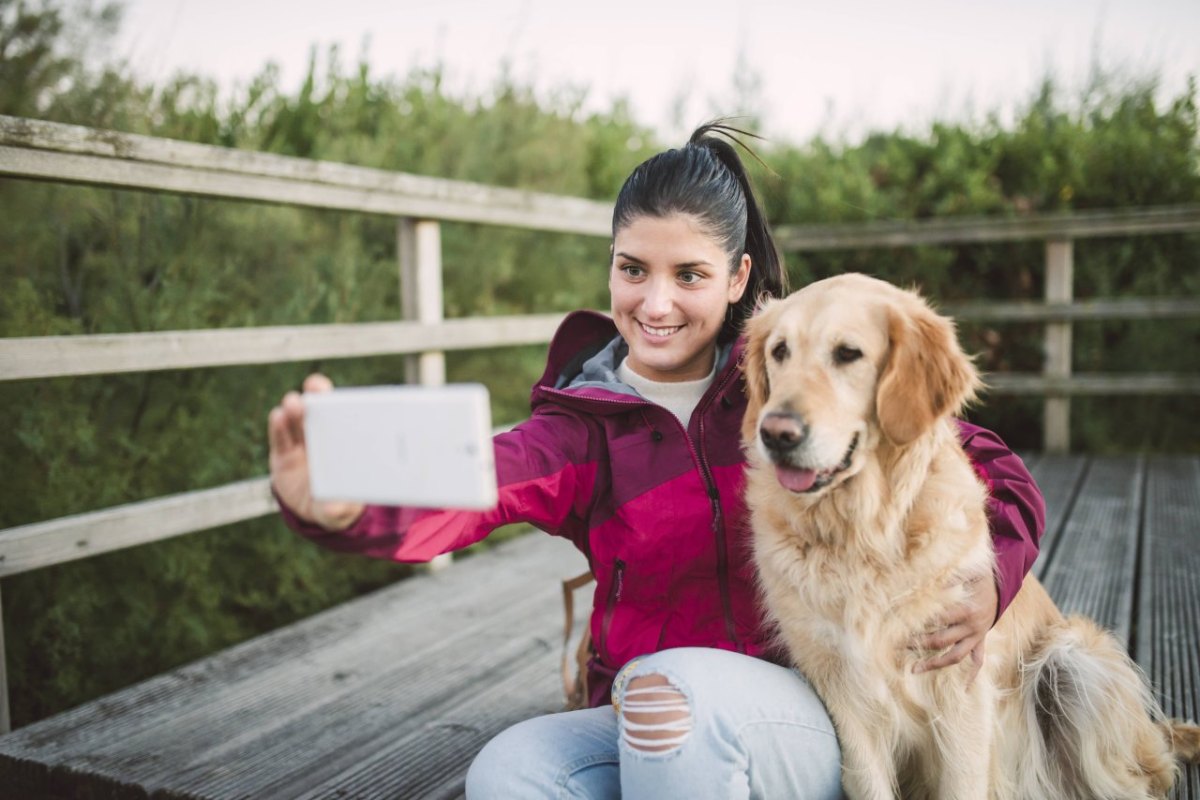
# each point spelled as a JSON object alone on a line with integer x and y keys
{"x": 964, "y": 628}
{"x": 289, "y": 462}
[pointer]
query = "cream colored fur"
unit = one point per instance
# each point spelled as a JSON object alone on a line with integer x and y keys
{"x": 852, "y": 572}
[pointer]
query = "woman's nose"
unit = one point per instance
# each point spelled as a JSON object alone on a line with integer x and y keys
{"x": 658, "y": 300}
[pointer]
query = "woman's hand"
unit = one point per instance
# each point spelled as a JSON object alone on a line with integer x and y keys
{"x": 289, "y": 462}
{"x": 964, "y": 628}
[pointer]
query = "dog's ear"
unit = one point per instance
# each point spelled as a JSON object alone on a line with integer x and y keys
{"x": 754, "y": 368}
{"x": 927, "y": 375}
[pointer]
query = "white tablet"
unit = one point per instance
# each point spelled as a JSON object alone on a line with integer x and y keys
{"x": 402, "y": 445}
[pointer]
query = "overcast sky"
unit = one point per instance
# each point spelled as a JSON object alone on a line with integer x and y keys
{"x": 839, "y": 67}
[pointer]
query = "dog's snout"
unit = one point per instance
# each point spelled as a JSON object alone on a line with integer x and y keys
{"x": 781, "y": 431}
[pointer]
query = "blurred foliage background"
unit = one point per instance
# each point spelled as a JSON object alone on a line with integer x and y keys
{"x": 79, "y": 260}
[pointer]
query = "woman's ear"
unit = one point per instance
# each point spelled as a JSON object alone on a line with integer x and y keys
{"x": 927, "y": 374}
{"x": 754, "y": 368}
{"x": 739, "y": 279}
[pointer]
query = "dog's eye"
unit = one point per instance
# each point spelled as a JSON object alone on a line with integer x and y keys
{"x": 779, "y": 352}
{"x": 844, "y": 354}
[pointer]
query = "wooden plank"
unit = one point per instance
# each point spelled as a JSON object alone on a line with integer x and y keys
{"x": 52, "y": 151}
{"x": 419, "y": 244}
{"x": 5, "y": 719}
{"x": 409, "y": 681}
{"x": 364, "y": 634}
{"x": 967, "y": 230}
{"x": 1093, "y": 567}
{"x": 53, "y": 137}
{"x": 1167, "y": 644}
{"x": 1080, "y": 383}
{"x": 1056, "y": 409}
{"x": 23, "y": 358}
{"x": 568, "y": 216}
{"x": 58, "y": 356}
{"x": 65, "y": 539}
{"x": 1060, "y": 478}
{"x": 1081, "y": 310}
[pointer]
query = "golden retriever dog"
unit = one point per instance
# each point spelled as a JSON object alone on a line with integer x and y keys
{"x": 868, "y": 518}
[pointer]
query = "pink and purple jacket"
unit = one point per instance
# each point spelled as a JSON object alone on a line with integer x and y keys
{"x": 656, "y": 509}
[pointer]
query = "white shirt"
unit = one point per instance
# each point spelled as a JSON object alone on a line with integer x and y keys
{"x": 678, "y": 397}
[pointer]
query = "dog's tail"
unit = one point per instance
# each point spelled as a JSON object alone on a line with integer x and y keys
{"x": 1094, "y": 729}
{"x": 1185, "y": 740}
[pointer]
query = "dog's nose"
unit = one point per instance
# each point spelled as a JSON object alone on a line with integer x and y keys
{"x": 781, "y": 431}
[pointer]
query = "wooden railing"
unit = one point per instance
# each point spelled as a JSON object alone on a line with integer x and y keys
{"x": 1059, "y": 231}
{"x": 47, "y": 151}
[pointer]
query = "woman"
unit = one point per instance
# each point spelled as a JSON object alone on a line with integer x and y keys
{"x": 632, "y": 452}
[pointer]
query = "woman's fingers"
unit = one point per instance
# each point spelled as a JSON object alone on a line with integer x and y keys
{"x": 944, "y": 637}
{"x": 278, "y": 434}
{"x": 952, "y": 656}
{"x": 293, "y": 416}
{"x": 316, "y": 382}
{"x": 289, "y": 461}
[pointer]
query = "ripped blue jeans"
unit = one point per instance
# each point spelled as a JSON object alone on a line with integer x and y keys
{"x": 687, "y": 723}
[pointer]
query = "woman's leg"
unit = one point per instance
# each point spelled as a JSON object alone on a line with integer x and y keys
{"x": 568, "y": 755}
{"x": 703, "y": 723}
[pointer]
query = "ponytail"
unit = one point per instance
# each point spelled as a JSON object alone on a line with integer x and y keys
{"x": 706, "y": 180}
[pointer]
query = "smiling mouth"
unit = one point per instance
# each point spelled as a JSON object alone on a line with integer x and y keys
{"x": 803, "y": 481}
{"x": 659, "y": 333}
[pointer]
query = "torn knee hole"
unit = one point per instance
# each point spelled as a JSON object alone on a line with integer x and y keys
{"x": 655, "y": 715}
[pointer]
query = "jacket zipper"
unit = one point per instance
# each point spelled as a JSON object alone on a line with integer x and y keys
{"x": 610, "y": 606}
{"x": 719, "y": 526}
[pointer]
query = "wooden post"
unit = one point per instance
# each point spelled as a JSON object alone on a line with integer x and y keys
{"x": 1056, "y": 413}
{"x": 5, "y": 720}
{"x": 419, "y": 245}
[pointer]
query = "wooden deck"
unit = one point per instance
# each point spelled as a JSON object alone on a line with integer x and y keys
{"x": 391, "y": 695}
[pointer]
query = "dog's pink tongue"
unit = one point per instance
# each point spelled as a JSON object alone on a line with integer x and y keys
{"x": 797, "y": 480}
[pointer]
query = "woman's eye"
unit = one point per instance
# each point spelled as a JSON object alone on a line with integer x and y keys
{"x": 779, "y": 352}
{"x": 633, "y": 271}
{"x": 690, "y": 277}
{"x": 845, "y": 354}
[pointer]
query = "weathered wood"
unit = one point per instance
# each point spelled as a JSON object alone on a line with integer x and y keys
{"x": 419, "y": 243}
{"x": 1092, "y": 570}
{"x": 5, "y": 719}
{"x": 394, "y": 692}
{"x": 1167, "y": 622}
{"x": 1080, "y": 383}
{"x": 1079, "y": 311}
{"x": 1060, "y": 478}
{"x": 967, "y": 230}
{"x": 58, "y": 356}
{"x": 1056, "y": 409}
{"x": 64, "y": 539}
{"x": 73, "y": 154}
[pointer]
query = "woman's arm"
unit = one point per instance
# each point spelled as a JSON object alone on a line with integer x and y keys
{"x": 1016, "y": 516}
{"x": 545, "y": 473}
{"x": 1016, "y": 510}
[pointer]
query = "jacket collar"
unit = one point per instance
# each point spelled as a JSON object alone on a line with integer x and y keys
{"x": 584, "y": 355}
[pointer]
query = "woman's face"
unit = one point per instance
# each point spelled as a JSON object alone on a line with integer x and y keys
{"x": 671, "y": 285}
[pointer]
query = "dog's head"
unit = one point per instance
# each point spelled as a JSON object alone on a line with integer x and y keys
{"x": 841, "y": 366}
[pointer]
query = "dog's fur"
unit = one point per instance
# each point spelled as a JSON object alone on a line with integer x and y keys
{"x": 852, "y": 383}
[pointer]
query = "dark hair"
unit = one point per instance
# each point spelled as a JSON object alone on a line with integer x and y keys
{"x": 705, "y": 179}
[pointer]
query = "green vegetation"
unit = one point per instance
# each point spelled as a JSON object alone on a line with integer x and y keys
{"x": 80, "y": 260}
